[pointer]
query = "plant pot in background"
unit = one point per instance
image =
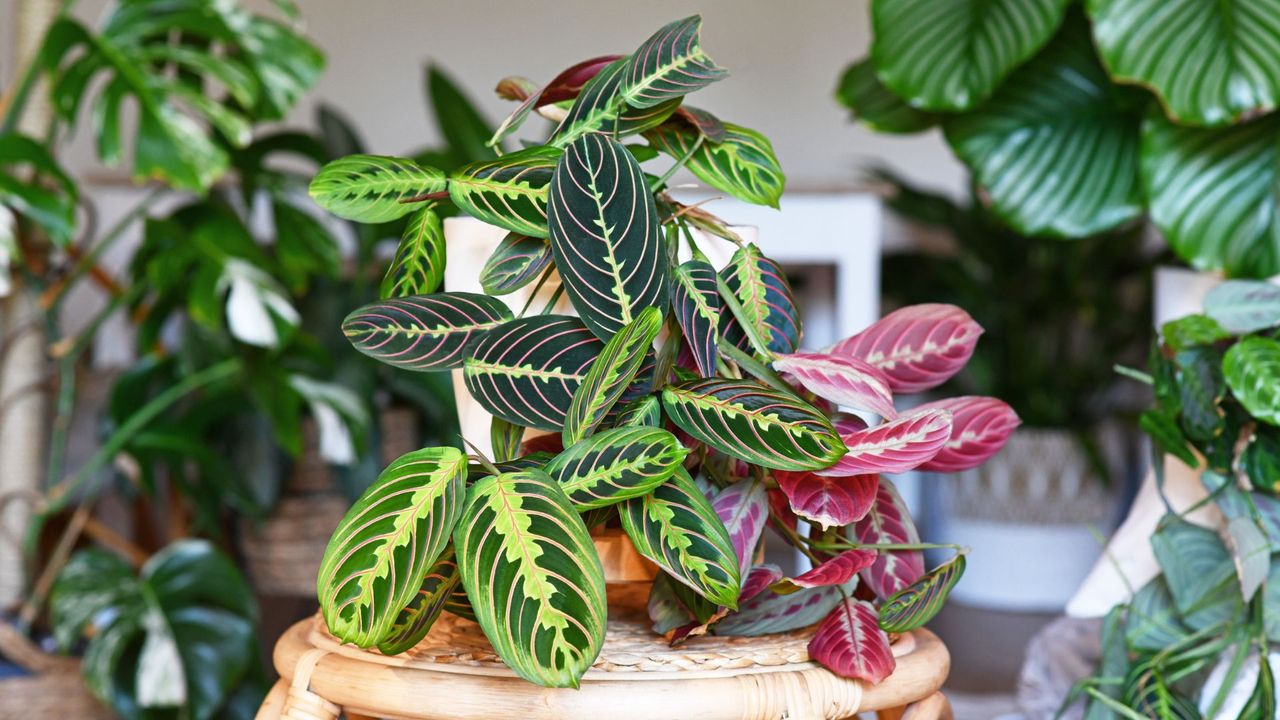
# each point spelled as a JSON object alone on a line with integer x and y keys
{"x": 35, "y": 684}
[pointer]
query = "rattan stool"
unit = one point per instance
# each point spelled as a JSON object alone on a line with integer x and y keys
{"x": 454, "y": 675}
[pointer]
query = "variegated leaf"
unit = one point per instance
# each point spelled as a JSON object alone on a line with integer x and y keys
{"x": 696, "y": 301}
{"x": 676, "y": 527}
{"x": 762, "y": 291}
{"x": 916, "y": 347}
{"x": 508, "y": 191}
{"x": 768, "y": 612}
{"x": 415, "y": 620}
{"x": 754, "y": 423}
{"x": 706, "y": 124}
{"x": 841, "y": 569}
{"x": 890, "y": 523}
{"x": 744, "y": 508}
{"x": 851, "y": 644}
{"x": 917, "y": 604}
{"x": 458, "y": 604}
{"x": 565, "y": 86}
{"x": 527, "y": 370}
{"x": 615, "y": 465}
{"x": 741, "y": 164}
{"x": 668, "y": 66}
{"x": 1252, "y": 370}
{"x": 759, "y": 578}
{"x": 517, "y": 261}
{"x": 610, "y": 374}
{"x": 424, "y": 332}
{"x": 533, "y": 577}
{"x": 380, "y": 553}
{"x": 644, "y": 412}
{"x": 896, "y": 446}
{"x": 845, "y": 381}
{"x": 418, "y": 267}
{"x": 828, "y": 501}
{"x": 980, "y": 426}
{"x": 599, "y": 108}
{"x": 1243, "y": 306}
{"x": 605, "y": 235}
{"x": 373, "y": 188}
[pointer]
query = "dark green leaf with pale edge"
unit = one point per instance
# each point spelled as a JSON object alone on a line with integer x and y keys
{"x": 644, "y": 412}
{"x": 743, "y": 164}
{"x": 1252, "y": 369}
{"x": 605, "y": 235}
{"x": 599, "y": 108}
{"x": 761, "y": 288}
{"x": 876, "y": 106}
{"x": 415, "y": 620}
{"x": 1227, "y": 54}
{"x": 610, "y": 374}
{"x": 1192, "y": 330}
{"x": 373, "y": 188}
{"x": 1199, "y": 572}
{"x": 527, "y": 370}
{"x": 615, "y": 465}
{"x": 1056, "y": 147}
{"x": 424, "y": 332}
{"x": 509, "y": 191}
{"x": 696, "y": 301}
{"x": 668, "y": 66}
{"x": 918, "y": 603}
{"x": 1200, "y": 391}
{"x": 676, "y": 527}
{"x": 533, "y": 577}
{"x": 1153, "y": 623}
{"x": 758, "y": 424}
{"x": 1210, "y": 192}
{"x": 1165, "y": 432}
{"x": 952, "y": 55}
{"x": 517, "y": 261}
{"x": 1261, "y": 461}
{"x": 1244, "y": 306}
{"x": 505, "y": 438}
{"x": 418, "y": 267}
{"x": 380, "y": 554}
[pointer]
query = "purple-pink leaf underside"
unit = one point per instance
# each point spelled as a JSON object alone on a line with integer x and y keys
{"x": 845, "y": 381}
{"x": 889, "y": 523}
{"x": 917, "y": 347}
{"x": 759, "y": 578}
{"x": 980, "y": 426}
{"x": 837, "y": 571}
{"x": 828, "y": 501}
{"x": 851, "y": 644}
{"x": 743, "y": 507}
{"x": 895, "y": 446}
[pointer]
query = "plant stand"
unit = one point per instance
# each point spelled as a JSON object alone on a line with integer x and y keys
{"x": 454, "y": 675}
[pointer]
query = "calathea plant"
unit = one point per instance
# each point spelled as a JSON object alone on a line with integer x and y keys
{"x": 1216, "y": 601}
{"x": 677, "y": 400}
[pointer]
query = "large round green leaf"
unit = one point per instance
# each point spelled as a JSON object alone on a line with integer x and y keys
{"x": 1252, "y": 370}
{"x": 424, "y": 332}
{"x": 754, "y": 423}
{"x": 741, "y": 164}
{"x": 676, "y": 527}
{"x": 952, "y": 55}
{"x": 610, "y": 374}
{"x": 614, "y": 465}
{"x": 509, "y": 191}
{"x": 373, "y": 188}
{"x": 1212, "y": 193}
{"x": 527, "y": 370}
{"x": 605, "y": 235}
{"x": 1056, "y": 147}
{"x": 876, "y": 106}
{"x": 533, "y": 577}
{"x": 1211, "y": 63}
{"x": 379, "y": 555}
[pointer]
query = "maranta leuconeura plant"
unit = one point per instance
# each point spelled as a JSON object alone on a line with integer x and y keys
{"x": 676, "y": 400}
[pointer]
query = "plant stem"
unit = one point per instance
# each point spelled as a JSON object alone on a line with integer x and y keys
{"x": 541, "y": 281}
{"x": 653, "y": 186}
{"x": 755, "y": 367}
{"x": 555, "y": 298}
{"x": 793, "y": 538}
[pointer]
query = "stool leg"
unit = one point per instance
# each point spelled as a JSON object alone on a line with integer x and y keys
{"x": 934, "y": 707}
{"x": 273, "y": 704}
{"x": 358, "y": 716}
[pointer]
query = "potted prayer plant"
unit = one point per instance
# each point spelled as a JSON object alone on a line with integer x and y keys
{"x": 1188, "y": 642}
{"x": 675, "y": 403}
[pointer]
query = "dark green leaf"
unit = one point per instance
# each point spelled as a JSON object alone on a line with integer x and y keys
{"x": 1252, "y": 370}
{"x": 1201, "y": 390}
{"x": 510, "y": 191}
{"x": 1192, "y": 330}
{"x": 92, "y": 581}
{"x": 875, "y": 106}
{"x": 918, "y": 603}
{"x": 615, "y": 465}
{"x": 743, "y": 164}
{"x": 1165, "y": 433}
{"x": 425, "y": 332}
{"x": 599, "y": 108}
{"x": 761, "y": 289}
{"x": 697, "y": 304}
{"x": 668, "y": 66}
{"x": 1261, "y": 460}
{"x": 610, "y": 375}
{"x": 517, "y": 261}
{"x": 415, "y": 620}
{"x": 643, "y": 412}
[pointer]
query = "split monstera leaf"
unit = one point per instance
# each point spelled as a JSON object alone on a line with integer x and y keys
{"x": 675, "y": 403}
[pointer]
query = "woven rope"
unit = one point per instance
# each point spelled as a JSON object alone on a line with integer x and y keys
{"x": 53, "y": 690}
{"x": 302, "y": 704}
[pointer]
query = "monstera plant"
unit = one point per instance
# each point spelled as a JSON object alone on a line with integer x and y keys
{"x": 676, "y": 403}
{"x": 1075, "y": 121}
{"x": 1215, "y": 606}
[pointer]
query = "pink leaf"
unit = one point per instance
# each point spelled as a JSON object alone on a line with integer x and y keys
{"x": 828, "y": 501}
{"x": 759, "y": 578}
{"x": 980, "y": 426}
{"x": 896, "y": 446}
{"x": 917, "y": 347}
{"x": 851, "y": 644}
{"x": 890, "y": 523}
{"x": 780, "y": 510}
{"x": 843, "y": 380}
{"x": 844, "y": 423}
{"x": 836, "y": 571}
{"x": 743, "y": 507}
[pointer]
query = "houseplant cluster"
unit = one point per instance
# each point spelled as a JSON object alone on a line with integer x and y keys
{"x": 675, "y": 403}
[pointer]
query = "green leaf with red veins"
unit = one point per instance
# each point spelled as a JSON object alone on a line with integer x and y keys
{"x": 508, "y": 191}
{"x": 517, "y": 261}
{"x": 418, "y": 267}
{"x": 610, "y": 375}
{"x": 668, "y": 66}
{"x": 917, "y": 604}
{"x": 762, "y": 290}
{"x": 424, "y": 332}
{"x": 697, "y": 304}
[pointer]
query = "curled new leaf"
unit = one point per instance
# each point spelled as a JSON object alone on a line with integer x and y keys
{"x": 851, "y": 644}
{"x": 424, "y": 332}
{"x": 828, "y": 501}
{"x": 916, "y": 347}
{"x": 517, "y": 261}
{"x": 845, "y": 381}
{"x": 896, "y": 446}
{"x": 508, "y": 191}
{"x": 378, "y": 557}
{"x": 917, "y": 604}
{"x": 754, "y": 423}
{"x": 373, "y": 188}
{"x": 980, "y": 426}
{"x": 615, "y": 465}
{"x": 838, "y": 570}
{"x": 610, "y": 374}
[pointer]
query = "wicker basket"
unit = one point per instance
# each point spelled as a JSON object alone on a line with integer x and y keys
{"x": 283, "y": 553}
{"x": 54, "y": 689}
